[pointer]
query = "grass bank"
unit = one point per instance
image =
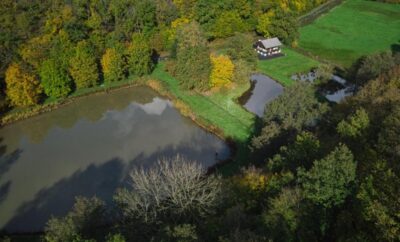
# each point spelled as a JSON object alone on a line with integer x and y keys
{"x": 218, "y": 109}
{"x": 351, "y": 30}
{"x": 218, "y": 112}
{"x": 282, "y": 68}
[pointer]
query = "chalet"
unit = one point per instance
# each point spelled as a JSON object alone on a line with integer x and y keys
{"x": 267, "y": 48}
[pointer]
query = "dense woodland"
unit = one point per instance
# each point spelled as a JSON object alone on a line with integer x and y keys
{"x": 315, "y": 171}
{"x": 49, "y": 49}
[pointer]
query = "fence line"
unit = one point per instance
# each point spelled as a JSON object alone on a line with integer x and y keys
{"x": 317, "y": 12}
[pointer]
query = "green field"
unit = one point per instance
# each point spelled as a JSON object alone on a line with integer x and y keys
{"x": 353, "y": 29}
{"x": 219, "y": 109}
{"x": 282, "y": 68}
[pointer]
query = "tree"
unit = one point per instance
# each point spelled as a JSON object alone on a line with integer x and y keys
{"x": 389, "y": 136}
{"x": 330, "y": 180}
{"x": 380, "y": 202}
{"x": 79, "y": 224}
{"x": 355, "y": 124}
{"x": 304, "y": 150}
{"x": 239, "y": 48}
{"x": 264, "y": 23}
{"x": 227, "y": 24}
{"x": 193, "y": 65}
{"x": 295, "y": 109}
{"x": 113, "y": 65}
{"x": 284, "y": 217}
{"x": 284, "y": 25}
{"x": 55, "y": 81}
{"x": 175, "y": 187}
{"x": 139, "y": 56}
{"x": 22, "y": 88}
{"x": 370, "y": 67}
{"x": 83, "y": 66}
{"x": 222, "y": 70}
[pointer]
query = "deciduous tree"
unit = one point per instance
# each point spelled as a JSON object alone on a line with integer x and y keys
{"x": 83, "y": 67}
{"x": 113, "y": 65}
{"x": 22, "y": 87}
{"x": 139, "y": 56}
{"x": 222, "y": 70}
{"x": 55, "y": 81}
{"x": 330, "y": 180}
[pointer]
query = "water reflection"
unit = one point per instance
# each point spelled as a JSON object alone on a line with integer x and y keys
{"x": 263, "y": 90}
{"x": 87, "y": 148}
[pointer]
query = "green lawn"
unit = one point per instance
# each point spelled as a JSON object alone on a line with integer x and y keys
{"x": 219, "y": 109}
{"x": 282, "y": 68}
{"x": 353, "y": 29}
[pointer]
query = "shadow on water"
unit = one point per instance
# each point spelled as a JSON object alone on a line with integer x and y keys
{"x": 6, "y": 161}
{"x": 96, "y": 180}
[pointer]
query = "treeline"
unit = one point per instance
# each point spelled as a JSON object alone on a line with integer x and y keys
{"x": 53, "y": 48}
{"x": 317, "y": 173}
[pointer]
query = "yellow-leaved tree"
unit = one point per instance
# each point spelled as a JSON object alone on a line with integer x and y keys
{"x": 22, "y": 88}
{"x": 222, "y": 70}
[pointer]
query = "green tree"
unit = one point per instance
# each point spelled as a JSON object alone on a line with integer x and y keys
{"x": 330, "y": 180}
{"x": 355, "y": 124}
{"x": 304, "y": 150}
{"x": 22, "y": 88}
{"x": 55, "y": 81}
{"x": 389, "y": 136}
{"x": 285, "y": 26}
{"x": 370, "y": 67}
{"x": 227, "y": 24}
{"x": 139, "y": 56}
{"x": 240, "y": 48}
{"x": 193, "y": 66}
{"x": 79, "y": 224}
{"x": 380, "y": 202}
{"x": 283, "y": 217}
{"x": 83, "y": 67}
{"x": 292, "y": 111}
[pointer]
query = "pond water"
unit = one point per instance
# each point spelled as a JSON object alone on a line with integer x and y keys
{"x": 87, "y": 148}
{"x": 336, "y": 90}
{"x": 343, "y": 89}
{"x": 262, "y": 91}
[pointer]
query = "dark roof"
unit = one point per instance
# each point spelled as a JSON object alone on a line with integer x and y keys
{"x": 269, "y": 43}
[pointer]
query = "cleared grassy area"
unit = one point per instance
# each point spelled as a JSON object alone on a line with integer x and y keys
{"x": 282, "y": 68}
{"x": 217, "y": 109}
{"x": 353, "y": 29}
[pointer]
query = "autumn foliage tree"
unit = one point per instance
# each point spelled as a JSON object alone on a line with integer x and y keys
{"x": 113, "y": 65}
{"x": 222, "y": 70}
{"x": 83, "y": 66}
{"x": 22, "y": 88}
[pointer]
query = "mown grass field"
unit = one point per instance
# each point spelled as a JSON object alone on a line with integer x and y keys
{"x": 218, "y": 109}
{"x": 351, "y": 30}
{"x": 282, "y": 68}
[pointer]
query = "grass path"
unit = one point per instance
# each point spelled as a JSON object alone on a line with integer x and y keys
{"x": 219, "y": 109}
{"x": 353, "y": 29}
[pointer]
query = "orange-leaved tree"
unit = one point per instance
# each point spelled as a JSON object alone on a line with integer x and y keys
{"x": 222, "y": 70}
{"x": 22, "y": 88}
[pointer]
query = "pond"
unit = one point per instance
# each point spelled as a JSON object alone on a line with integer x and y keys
{"x": 262, "y": 91}
{"x": 335, "y": 90}
{"x": 87, "y": 148}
